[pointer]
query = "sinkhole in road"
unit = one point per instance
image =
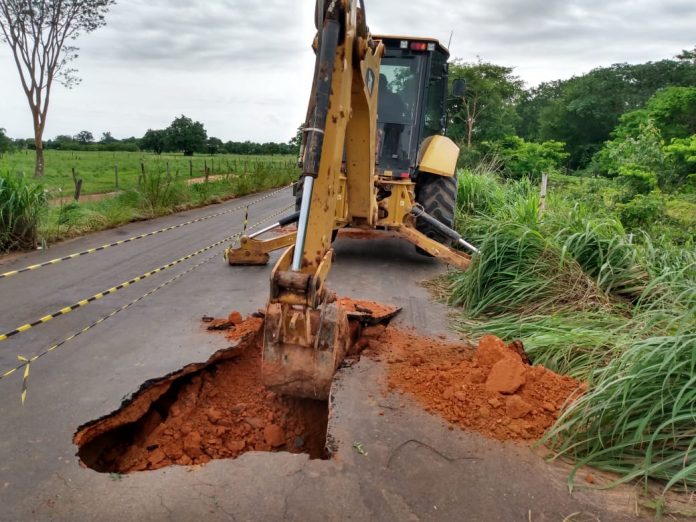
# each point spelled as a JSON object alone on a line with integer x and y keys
{"x": 214, "y": 410}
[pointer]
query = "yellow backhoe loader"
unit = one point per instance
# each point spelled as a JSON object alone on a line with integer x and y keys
{"x": 374, "y": 156}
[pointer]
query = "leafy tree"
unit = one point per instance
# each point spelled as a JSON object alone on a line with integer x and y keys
{"x": 642, "y": 212}
{"x": 682, "y": 155}
{"x": 5, "y": 142}
{"x": 642, "y": 149}
{"x": 154, "y": 140}
{"x": 531, "y": 103}
{"x": 84, "y": 137}
{"x": 296, "y": 141}
{"x": 214, "y": 145}
{"x": 640, "y": 139}
{"x": 688, "y": 55}
{"x": 487, "y": 110}
{"x": 636, "y": 179}
{"x": 62, "y": 142}
{"x": 583, "y": 111}
{"x": 186, "y": 135}
{"x": 522, "y": 158}
{"x": 39, "y": 33}
{"x": 107, "y": 138}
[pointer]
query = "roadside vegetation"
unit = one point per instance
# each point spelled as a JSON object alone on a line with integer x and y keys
{"x": 100, "y": 170}
{"x": 597, "y": 293}
{"x": 28, "y": 220}
{"x": 598, "y": 279}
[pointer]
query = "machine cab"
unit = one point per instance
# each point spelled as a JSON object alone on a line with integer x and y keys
{"x": 412, "y": 101}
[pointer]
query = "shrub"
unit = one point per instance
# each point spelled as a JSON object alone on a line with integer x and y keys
{"x": 22, "y": 204}
{"x": 636, "y": 180}
{"x": 522, "y": 158}
{"x": 642, "y": 212}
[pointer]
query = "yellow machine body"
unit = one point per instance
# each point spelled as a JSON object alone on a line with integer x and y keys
{"x": 306, "y": 333}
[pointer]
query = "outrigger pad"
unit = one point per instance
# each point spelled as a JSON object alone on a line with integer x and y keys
{"x": 243, "y": 257}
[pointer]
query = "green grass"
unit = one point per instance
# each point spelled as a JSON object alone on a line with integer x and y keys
{"x": 97, "y": 169}
{"x": 22, "y": 205}
{"x": 27, "y": 219}
{"x": 591, "y": 300}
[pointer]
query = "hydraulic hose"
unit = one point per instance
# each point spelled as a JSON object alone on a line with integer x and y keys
{"x": 323, "y": 75}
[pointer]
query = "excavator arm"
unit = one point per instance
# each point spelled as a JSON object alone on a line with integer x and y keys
{"x": 306, "y": 332}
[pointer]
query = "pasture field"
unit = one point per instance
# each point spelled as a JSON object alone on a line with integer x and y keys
{"x": 98, "y": 169}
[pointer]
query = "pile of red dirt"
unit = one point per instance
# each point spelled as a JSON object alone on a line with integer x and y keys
{"x": 492, "y": 389}
{"x": 221, "y": 410}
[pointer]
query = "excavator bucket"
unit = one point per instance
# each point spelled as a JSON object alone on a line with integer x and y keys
{"x": 303, "y": 348}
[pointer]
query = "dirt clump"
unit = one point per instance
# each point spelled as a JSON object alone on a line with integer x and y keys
{"x": 374, "y": 312}
{"x": 221, "y": 410}
{"x": 488, "y": 388}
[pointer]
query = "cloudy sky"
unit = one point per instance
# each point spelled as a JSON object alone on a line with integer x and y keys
{"x": 244, "y": 67}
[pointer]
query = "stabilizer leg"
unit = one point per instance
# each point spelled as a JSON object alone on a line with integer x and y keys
{"x": 256, "y": 252}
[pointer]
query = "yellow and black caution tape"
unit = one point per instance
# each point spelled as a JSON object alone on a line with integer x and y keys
{"x": 246, "y": 220}
{"x": 112, "y": 290}
{"x": 25, "y": 379}
{"x": 27, "y": 362}
{"x": 141, "y": 236}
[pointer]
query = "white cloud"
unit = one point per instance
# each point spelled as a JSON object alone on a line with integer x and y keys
{"x": 244, "y": 68}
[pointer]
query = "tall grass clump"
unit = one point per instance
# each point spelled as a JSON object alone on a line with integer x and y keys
{"x": 606, "y": 253}
{"x": 591, "y": 301}
{"x": 638, "y": 418}
{"x": 22, "y": 205}
{"x": 520, "y": 269}
{"x": 478, "y": 192}
{"x": 159, "y": 192}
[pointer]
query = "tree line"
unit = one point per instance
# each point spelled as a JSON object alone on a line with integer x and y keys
{"x": 597, "y": 122}
{"x": 183, "y": 136}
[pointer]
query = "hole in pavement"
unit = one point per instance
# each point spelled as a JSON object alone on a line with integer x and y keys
{"x": 217, "y": 410}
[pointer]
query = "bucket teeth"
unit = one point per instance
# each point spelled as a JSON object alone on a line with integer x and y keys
{"x": 303, "y": 348}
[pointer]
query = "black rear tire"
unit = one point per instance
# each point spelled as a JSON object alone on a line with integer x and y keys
{"x": 437, "y": 195}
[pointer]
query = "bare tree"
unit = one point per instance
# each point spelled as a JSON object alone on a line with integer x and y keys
{"x": 39, "y": 33}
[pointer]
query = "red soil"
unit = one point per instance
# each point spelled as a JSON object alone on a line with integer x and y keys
{"x": 220, "y": 411}
{"x": 489, "y": 390}
{"x": 376, "y": 311}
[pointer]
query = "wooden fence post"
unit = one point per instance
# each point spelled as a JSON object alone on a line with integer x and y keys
{"x": 78, "y": 185}
{"x": 190, "y": 168}
{"x": 141, "y": 177}
{"x": 116, "y": 175}
{"x": 544, "y": 189}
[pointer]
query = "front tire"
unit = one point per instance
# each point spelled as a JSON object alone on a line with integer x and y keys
{"x": 437, "y": 195}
